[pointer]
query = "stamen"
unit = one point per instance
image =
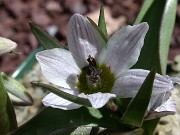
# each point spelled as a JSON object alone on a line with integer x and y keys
{"x": 95, "y": 78}
{"x": 91, "y": 61}
{"x": 92, "y": 73}
{"x": 92, "y": 80}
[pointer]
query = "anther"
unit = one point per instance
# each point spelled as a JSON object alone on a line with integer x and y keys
{"x": 91, "y": 61}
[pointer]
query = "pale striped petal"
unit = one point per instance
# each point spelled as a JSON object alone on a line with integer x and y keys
{"x": 123, "y": 48}
{"x": 55, "y": 101}
{"x": 59, "y": 67}
{"x": 167, "y": 108}
{"x": 83, "y": 39}
{"x": 129, "y": 84}
{"x": 98, "y": 100}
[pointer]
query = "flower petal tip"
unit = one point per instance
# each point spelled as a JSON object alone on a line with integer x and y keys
{"x": 99, "y": 99}
{"x": 6, "y": 45}
{"x": 144, "y": 26}
{"x": 175, "y": 80}
{"x": 167, "y": 108}
{"x": 54, "y": 101}
{"x": 75, "y": 17}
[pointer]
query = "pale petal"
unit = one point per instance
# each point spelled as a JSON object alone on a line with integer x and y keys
{"x": 169, "y": 107}
{"x": 55, "y": 101}
{"x": 98, "y": 100}
{"x": 6, "y": 45}
{"x": 123, "y": 48}
{"x": 83, "y": 39}
{"x": 158, "y": 99}
{"x": 175, "y": 80}
{"x": 128, "y": 85}
{"x": 59, "y": 67}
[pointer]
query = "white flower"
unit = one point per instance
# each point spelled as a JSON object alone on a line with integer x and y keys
{"x": 98, "y": 71}
{"x": 6, "y": 45}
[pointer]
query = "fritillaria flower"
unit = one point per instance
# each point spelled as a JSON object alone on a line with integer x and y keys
{"x": 100, "y": 71}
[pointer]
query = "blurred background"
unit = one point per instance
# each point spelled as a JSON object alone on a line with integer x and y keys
{"x": 53, "y": 16}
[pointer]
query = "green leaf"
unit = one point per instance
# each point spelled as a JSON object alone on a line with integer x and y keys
{"x": 122, "y": 103}
{"x": 144, "y": 10}
{"x": 135, "y": 112}
{"x": 62, "y": 94}
{"x": 166, "y": 28}
{"x": 84, "y": 130}
{"x": 149, "y": 126}
{"x": 138, "y": 131}
{"x": 98, "y": 29}
{"x": 154, "y": 52}
{"x": 102, "y": 22}
{"x": 17, "y": 89}
{"x": 160, "y": 15}
{"x": 44, "y": 39}
{"x": 7, "y": 115}
{"x": 149, "y": 56}
{"x": 26, "y": 65}
{"x": 53, "y": 120}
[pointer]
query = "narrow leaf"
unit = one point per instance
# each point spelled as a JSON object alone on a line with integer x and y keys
{"x": 165, "y": 33}
{"x": 144, "y": 9}
{"x": 102, "y": 22}
{"x": 98, "y": 29}
{"x": 85, "y": 130}
{"x": 17, "y": 89}
{"x": 7, "y": 115}
{"x": 51, "y": 120}
{"x": 44, "y": 39}
{"x": 135, "y": 112}
{"x": 16, "y": 101}
{"x": 149, "y": 56}
{"x": 155, "y": 50}
{"x": 151, "y": 53}
{"x": 138, "y": 131}
{"x": 149, "y": 126}
{"x": 62, "y": 94}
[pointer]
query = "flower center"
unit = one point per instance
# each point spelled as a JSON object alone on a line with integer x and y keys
{"x": 95, "y": 78}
